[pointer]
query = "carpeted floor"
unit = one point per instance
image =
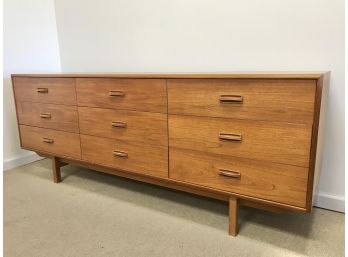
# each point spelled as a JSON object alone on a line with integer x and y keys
{"x": 95, "y": 214}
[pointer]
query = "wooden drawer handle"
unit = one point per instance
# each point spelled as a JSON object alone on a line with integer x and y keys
{"x": 42, "y": 90}
{"x": 231, "y": 99}
{"x": 47, "y": 140}
{"x": 45, "y": 115}
{"x": 119, "y": 124}
{"x": 231, "y": 137}
{"x": 229, "y": 173}
{"x": 120, "y": 154}
{"x": 116, "y": 93}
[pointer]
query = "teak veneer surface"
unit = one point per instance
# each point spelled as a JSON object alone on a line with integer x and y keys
{"x": 59, "y": 117}
{"x": 269, "y": 141}
{"x": 143, "y": 127}
{"x": 59, "y": 90}
{"x": 275, "y": 182}
{"x": 139, "y": 94}
{"x": 289, "y": 101}
{"x": 141, "y": 158}
{"x": 64, "y": 143}
{"x": 250, "y": 139}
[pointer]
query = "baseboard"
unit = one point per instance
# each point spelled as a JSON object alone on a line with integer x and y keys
{"x": 331, "y": 202}
{"x": 21, "y": 160}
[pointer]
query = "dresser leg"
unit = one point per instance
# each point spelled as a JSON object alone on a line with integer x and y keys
{"x": 233, "y": 216}
{"x": 56, "y": 164}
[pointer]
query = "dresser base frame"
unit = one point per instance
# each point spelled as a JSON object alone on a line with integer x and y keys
{"x": 235, "y": 201}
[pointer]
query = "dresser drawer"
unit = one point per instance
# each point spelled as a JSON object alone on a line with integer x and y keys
{"x": 143, "y": 127}
{"x": 45, "y": 90}
{"x": 270, "y": 141}
{"x": 270, "y": 181}
{"x": 59, "y": 117}
{"x": 130, "y": 94}
{"x": 262, "y": 99}
{"x": 128, "y": 156}
{"x": 51, "y": 141}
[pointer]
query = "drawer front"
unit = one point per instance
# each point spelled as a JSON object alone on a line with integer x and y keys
{"x": 128, "y": 156}
{"x": 265, "y": 180}
{"x": 59, "y": 117}
{"x": 45, "y": 90}
{"x": 51, "y": 141}
{"x": 269, "y": 141}
{"x": 271, "y": 100}
{"x": 130, "y": 94}
{"x": 143, "y": 127}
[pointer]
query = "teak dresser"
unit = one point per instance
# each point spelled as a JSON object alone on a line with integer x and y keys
{"x": 249, "y": 138}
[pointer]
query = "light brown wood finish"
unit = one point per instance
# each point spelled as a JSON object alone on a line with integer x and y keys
{"x": 264, "y": 118}
{"x": 218, "y": 75}
{"x": 51, "y": 141}
{"x": 290, "y": 101}
{"x": 56, "y": 170}
{"x": 144, "y": 127}
{"x": 141, "y": 158}
{"x": 52, "y": 90}
{"x": 138, "y": 94}
{"x": 233, "y": 216}
{"x": 275, "y": 182}
{"x": 172, "y": 183}
{"x": 59, "y": 117}
{"x": 276, "y": 142}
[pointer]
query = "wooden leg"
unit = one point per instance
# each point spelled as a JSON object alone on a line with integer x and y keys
{"x": 233, "y": 213}
{"x": 56, "y": 170}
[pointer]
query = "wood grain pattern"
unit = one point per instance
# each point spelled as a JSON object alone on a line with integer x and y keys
{"x": 217, "y": 75}
{"x": 275, "y": 142}
{"x": 275, "y": 182}
{"x": 272, "y": 100}
{"x": 174, "y": 184}
{"x": 63, "y": 143}
{"x": 141, "y": 158}
{"x": 59, "y": 90}
{"x": 143, "y": 127}
{"x": 59, "y": 117}
{"x": 139, "y": 94}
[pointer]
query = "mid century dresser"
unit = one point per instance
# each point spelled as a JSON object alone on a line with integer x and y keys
{"x": 249, "y": 138}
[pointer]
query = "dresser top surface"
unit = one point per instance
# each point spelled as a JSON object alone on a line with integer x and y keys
{"x": 236, "y": 75}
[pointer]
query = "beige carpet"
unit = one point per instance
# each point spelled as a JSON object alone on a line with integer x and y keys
{"x": 94, "y": 214}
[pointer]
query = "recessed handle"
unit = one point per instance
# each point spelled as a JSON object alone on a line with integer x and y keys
{"x": 231, "y": 137}
{"x": 231, "y": 99}
{"x": 120, "y": 154}
{"x": 45, "y": 115}
{"x": 117, "y": 93}
{"x": 47, "y": 140}
{"x": 42, "y": 90}
{"x": 119, "y": 124}
{"x": 229, "y": 173}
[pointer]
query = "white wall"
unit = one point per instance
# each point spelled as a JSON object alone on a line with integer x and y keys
{"x": 30, "y": 45}
{"x": 215, "y": 35}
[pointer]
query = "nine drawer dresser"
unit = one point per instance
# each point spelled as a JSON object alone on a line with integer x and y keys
{"x": 250, "y": 139}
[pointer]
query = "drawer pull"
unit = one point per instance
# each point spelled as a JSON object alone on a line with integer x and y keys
{"x": 45, "y": 115}
{"x": 118, "y": 124}
{"x": 47, "y": 140}
{"x": 229, "y": 173}
{"x": 231, "y": 99}
{"x": 116, "y": 93}
{"x": 42, "y": 90}
{"x": 231, "y": 137}
{"x": 120, "y": 154}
